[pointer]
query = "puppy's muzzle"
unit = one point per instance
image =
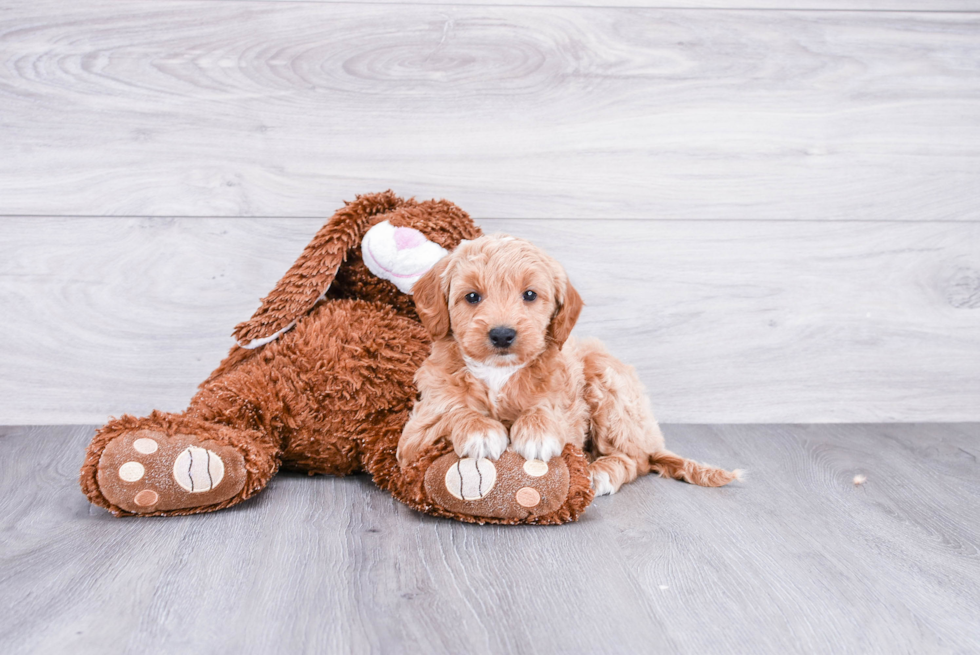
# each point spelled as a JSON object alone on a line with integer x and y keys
{"x": 502, "y": 337}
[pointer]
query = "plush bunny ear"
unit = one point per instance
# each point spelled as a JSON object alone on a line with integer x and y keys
{"x": 307, "y": 281}
{"x": 569, "y": 307}
{"x": 431, "y": 300}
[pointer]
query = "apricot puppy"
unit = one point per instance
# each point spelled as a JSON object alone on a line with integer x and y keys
{"x": 504, "y": 372}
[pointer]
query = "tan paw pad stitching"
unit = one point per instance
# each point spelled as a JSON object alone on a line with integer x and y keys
{"x": 145, "y": 446}
{"x": 198, "y": 469}
{"x": 131, "y": 471}
{"x": 535, "y": 467}
{"x": 146, "y": 498}
{"x": 527, "y": 497}
{"x": 471, "y": 479}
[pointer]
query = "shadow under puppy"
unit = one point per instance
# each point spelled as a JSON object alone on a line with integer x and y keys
{"x": 504, "y": 371}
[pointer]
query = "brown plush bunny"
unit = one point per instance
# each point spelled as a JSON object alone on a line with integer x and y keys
{"x": 322, "y": 381}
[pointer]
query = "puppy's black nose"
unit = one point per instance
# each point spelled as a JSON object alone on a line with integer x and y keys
{"x": 502, "y": 337}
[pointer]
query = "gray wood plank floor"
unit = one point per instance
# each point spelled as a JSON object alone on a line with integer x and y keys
{"x": 795, "y": 559}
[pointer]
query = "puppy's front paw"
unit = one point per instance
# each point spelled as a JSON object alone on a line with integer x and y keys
{"x": 531, "y": 443}
{"x": 601, "y": 483}
{"x": 481, "y": 440}
{"x": 543, "y": 448}
{"x": 416, "y": 438}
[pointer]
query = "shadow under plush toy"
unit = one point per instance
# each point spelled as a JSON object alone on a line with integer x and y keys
{"x": 322, "y": 381}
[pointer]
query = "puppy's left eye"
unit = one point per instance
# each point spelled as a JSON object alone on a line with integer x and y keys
{"x": 473, "y": 297}
{"x": 529, "y": 295}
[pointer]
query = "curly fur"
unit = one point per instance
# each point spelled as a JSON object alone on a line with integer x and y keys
{"x": 554, "y": 391}
{"x": 331, "y": 393}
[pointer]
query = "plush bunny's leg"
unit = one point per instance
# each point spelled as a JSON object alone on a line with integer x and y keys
{"x": 510, "y": 490}
{"x": 167, "y": 464}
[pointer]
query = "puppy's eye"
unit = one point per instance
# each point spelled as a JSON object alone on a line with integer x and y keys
{"x": 529, "y": 295}
{"x": 473, "y": 297}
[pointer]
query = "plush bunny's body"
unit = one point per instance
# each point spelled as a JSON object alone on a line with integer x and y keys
{"x": 322, "y": 381}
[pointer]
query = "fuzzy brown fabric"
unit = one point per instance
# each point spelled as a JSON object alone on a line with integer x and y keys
{"x": 513, "y": 494}
{"x": 330, "y": 395}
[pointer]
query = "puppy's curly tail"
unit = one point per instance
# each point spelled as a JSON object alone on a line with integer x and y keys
{"x": 671, "y": 465}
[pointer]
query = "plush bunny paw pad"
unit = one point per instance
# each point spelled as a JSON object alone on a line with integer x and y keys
{"x": 509, "y": 488}
{"x": 147, "y": 471}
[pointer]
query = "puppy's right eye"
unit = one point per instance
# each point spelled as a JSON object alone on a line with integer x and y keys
{"x": 473, "y": 297}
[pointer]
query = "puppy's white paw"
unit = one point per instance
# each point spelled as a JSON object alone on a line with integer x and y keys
{"x": 543, "y": 448}
{"x": 601, "y": 484}
{"x": 489, "y": 443}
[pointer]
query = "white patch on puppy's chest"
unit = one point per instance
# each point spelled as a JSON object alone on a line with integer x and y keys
{"x": 495, "y": 377}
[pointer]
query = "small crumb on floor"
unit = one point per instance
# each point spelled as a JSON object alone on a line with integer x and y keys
{"x": 664, "y": 587}
{"x": 860, "y": 479}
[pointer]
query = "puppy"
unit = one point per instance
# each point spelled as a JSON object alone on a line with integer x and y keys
{"x": 505, "y": 372}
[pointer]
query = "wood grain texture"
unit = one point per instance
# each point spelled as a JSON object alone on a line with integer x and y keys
{"x": 735, "y": 321}
{"x": 796, "y": 559}
{"x": 710, "y": 5}
{"x": 837, "y": 567}
{"x": 285, "y": 108}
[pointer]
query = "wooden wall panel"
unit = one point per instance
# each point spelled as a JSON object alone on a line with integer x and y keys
{"x": 203, "y": 108}
{"x": 697, "y": 5}
{"x": 727, "y": 321}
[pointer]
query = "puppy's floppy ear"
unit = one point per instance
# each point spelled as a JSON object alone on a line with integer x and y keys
{"x": 431, "y": 300}
{"x": 569, "y": 307}
{"x": 310, "y": 277}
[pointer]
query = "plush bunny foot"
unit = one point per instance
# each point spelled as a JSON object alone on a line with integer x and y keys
{"x": 511, "y": 488}
{"x": 147, "y": 471}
